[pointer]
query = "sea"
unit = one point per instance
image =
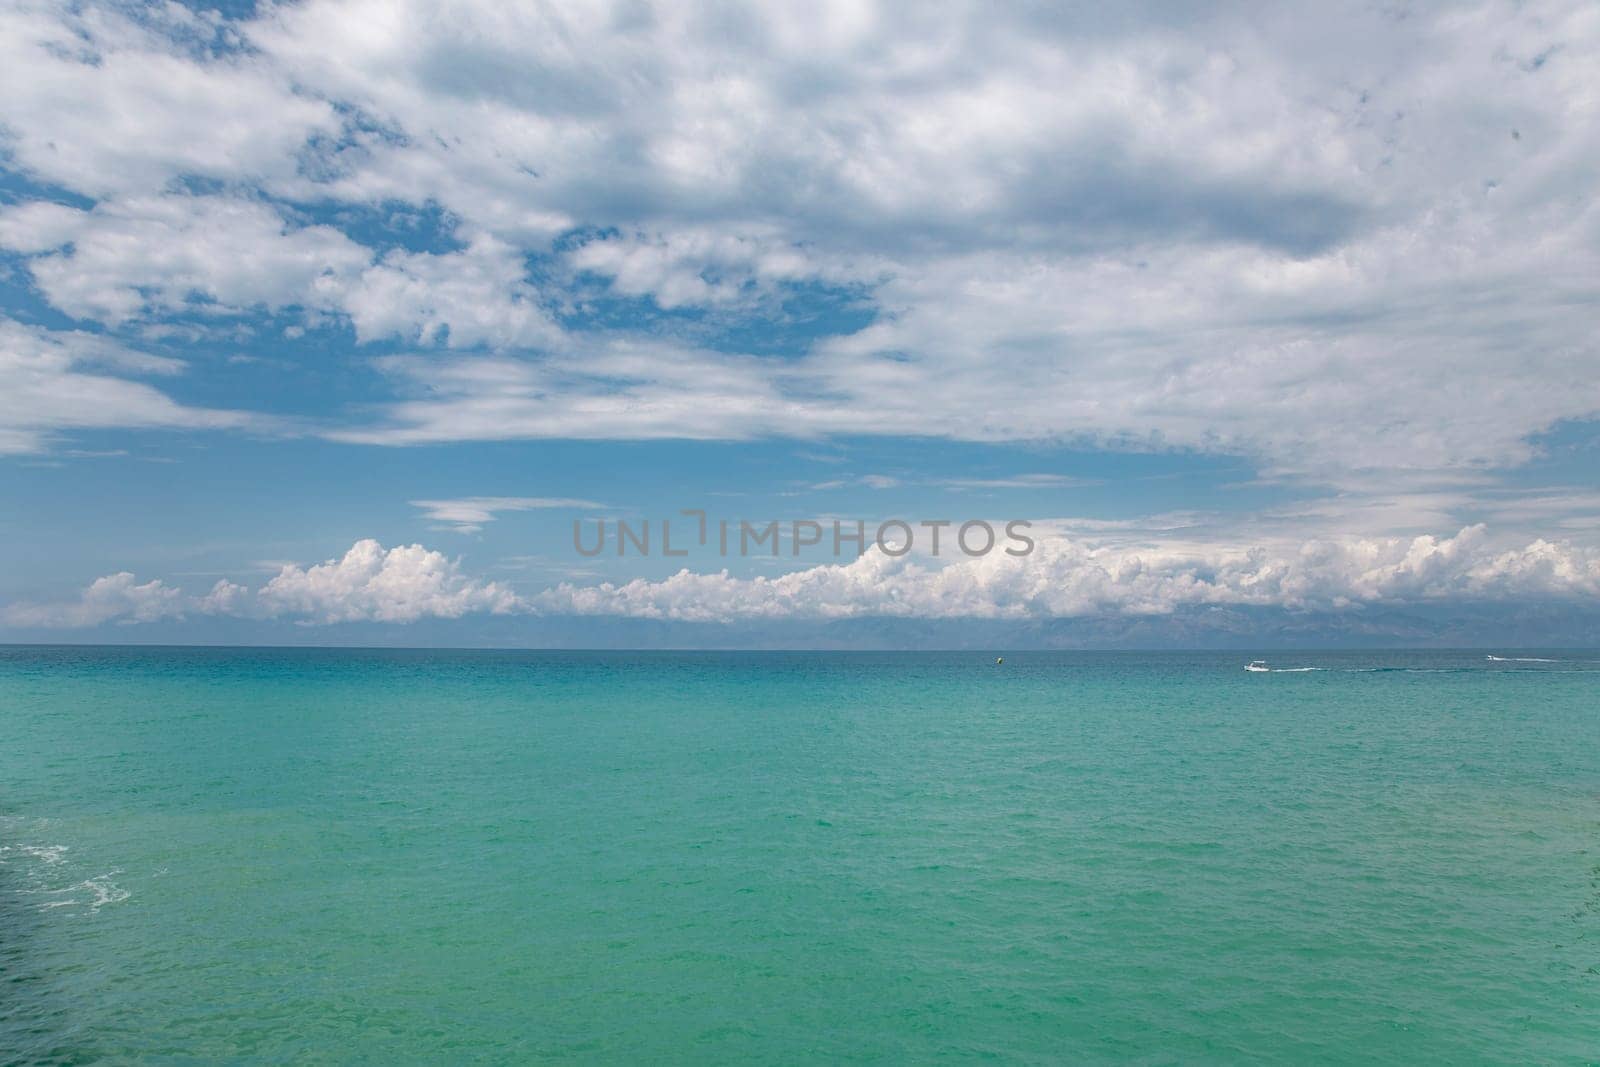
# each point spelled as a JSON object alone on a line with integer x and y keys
{"x": 230, "y": 855}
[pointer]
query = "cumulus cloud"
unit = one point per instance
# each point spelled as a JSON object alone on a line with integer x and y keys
{"x": 116, "y": 597}
{"x": 225, "y": 598}
{"x": 1065, "y": 578}
{"x": 1062, "y": 578}
{"x": 369, "y": 583}
{"x": 372, "y": 584}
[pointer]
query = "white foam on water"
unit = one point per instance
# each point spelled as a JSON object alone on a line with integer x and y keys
{"x": 49, "y": 855}
{"x": 42, "y": 865}
{"x": 1406, "y": 670}
{"x": 105, "y": 890}
{"x": 1520, "y": 659}
{"x": 91, "y": 893}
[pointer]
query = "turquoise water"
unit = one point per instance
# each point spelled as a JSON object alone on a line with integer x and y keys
{"x": 361, "y": 856}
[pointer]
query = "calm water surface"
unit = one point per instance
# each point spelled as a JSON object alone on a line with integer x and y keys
{"x": 396, "y": 856}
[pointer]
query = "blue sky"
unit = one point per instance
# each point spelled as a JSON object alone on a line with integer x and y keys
{"x": 325, "y": 321}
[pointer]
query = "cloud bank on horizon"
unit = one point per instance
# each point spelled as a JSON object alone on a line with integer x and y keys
{"x": 1065, "y": 579}
{"x": 1359, "y": 247}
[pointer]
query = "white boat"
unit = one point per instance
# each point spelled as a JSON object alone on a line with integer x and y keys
{"x": 1257, "y": 665}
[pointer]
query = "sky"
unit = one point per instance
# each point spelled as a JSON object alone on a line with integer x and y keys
{"x": 325, "y": 322}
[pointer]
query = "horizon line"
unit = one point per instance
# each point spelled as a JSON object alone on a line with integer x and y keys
{"x": 1006, "y": 649}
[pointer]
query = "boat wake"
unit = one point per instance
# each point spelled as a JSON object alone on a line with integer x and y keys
{"x": 1257, "y": 666}
{"x": 1577, "y": 669}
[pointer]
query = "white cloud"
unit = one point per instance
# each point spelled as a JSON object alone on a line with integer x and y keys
{"x": 52, "y": 381}
{"x": 372, "y": 584}
{"x": 617, "y": 389}
{"x": 1347, "y": 240}
{"x": 1218, "y": 236}
{"x": 225, "y": 598}
{"x": 1071, "y": 578}
{"x": 116, "y": 597}
{"x": 702, "y": 268}
{"x": 1020, "y": 481}
{"x": 205, "y": 254}
{"x": 469, "y": 298}
{"x": 106, "y": 103}
{"x": 1061, "y": 579}
{"x": 143, "y": 257}
{"x": 469, "y": 514}
{"x": 369, "y": 583}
